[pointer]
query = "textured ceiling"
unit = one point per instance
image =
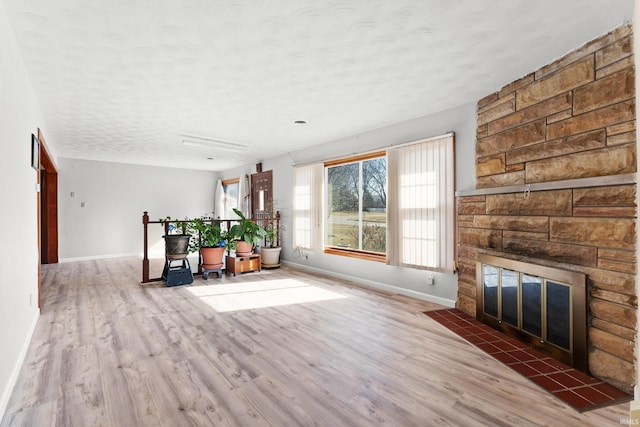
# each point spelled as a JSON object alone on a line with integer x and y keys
{"x": 120, "y": 80}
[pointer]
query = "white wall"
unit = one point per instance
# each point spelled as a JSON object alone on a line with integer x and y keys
{"x": 461, "y": 120}
{"x": 115, "y": 195}
{"x": 18, "y": 212}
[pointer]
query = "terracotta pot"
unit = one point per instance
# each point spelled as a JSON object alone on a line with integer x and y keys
{"x": 243, "y": 248}
{"x": 212, "y": 258}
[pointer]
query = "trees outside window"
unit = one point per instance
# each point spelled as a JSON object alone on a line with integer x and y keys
{"x": 357, "y": 204}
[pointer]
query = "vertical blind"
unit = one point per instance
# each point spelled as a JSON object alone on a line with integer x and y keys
{"x": 421, "y": 205}
{"x": 307, "y": 200}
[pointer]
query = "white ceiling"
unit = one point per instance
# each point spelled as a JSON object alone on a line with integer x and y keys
{"x": 120, "y": 80}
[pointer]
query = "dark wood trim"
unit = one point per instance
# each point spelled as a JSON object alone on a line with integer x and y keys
{"x": 49, "y": 205}
{"x": 39, "y": 233}
{"x": 145, "y": 248}
{"x": 261, "y": 182}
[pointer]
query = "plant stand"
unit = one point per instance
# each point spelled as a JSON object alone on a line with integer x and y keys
{"x": 180, "y": 274}
{"x": 211, "y": 261}
{"x": 205, "y": 273}
{"x": 270, "y": 257}
{"x": 243, "y": 264}
{"x": 269, "y": 266}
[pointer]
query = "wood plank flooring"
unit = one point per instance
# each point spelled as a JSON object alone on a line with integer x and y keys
{"x": 110, "y": 352}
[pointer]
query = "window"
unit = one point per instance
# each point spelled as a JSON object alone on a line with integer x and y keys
{"x": 356, "y": 209}
{"x": 396, "y": 206}
{"x": 231, "y": 188}
{"x": 422, "y": 204}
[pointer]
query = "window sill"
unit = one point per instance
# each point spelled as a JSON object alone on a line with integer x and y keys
{"x": 369, "y": 256}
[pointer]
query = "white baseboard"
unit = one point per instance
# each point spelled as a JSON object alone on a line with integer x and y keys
{"x": 377, "y": 285}
{"x": 94, "y": 257}
{"x": 13, "y": 379}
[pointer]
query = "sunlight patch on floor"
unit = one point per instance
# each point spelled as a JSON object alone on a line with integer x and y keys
{"x": 260, "y": 294}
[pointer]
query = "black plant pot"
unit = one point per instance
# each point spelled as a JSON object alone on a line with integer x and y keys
{"x": 176, "y": 245}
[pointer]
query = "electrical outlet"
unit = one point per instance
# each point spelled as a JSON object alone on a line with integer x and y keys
{"x": 431, "y": 280}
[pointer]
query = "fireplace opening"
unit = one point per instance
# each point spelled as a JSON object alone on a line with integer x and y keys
{"x": 542, "y": 306}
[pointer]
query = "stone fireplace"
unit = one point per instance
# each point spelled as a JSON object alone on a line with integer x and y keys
{"x": 556, "y": 187}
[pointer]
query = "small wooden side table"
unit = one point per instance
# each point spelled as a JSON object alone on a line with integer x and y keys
{"x": 243, "y": 264}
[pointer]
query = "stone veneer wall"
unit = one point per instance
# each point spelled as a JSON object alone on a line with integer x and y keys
{"x": 574, "y": 118}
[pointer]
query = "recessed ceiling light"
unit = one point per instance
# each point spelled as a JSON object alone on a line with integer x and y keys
{"x": 209, "y": 158}
{"x": 300, "y": 122}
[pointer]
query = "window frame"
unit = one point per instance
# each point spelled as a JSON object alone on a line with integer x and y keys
{"x": 350, "y": 252}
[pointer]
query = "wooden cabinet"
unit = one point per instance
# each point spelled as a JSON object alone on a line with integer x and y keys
{"x": 243, "y": 264}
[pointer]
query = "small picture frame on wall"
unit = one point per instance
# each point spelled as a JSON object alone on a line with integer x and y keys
{"x": 35, "y": 152}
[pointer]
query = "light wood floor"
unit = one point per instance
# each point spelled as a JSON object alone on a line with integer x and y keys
{"x": 110, "y": 352}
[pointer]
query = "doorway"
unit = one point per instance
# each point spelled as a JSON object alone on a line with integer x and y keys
{"x": 48, "y": 205}
{"x": 47, "y": 210}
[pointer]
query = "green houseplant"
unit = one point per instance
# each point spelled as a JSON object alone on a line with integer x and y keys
{"x": 209, "y": 234}
{"x": 271, "y": 251}
{"x": 246, "y": 234}
{"x": 209, "y": 242}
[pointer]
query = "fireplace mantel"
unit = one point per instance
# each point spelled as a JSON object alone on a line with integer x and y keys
{"x": 596, "y": 181}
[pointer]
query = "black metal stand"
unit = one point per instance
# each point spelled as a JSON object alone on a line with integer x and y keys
{"x": 176, "y": 275}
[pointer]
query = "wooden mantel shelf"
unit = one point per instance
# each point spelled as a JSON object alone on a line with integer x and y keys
{"x": 598, "y": 181}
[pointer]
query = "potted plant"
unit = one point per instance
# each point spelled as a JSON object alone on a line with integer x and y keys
{"x": 246, "y": 234}
{"x": 177, "y": 237}
{"x": 210, "y": 243}
{"x": 271, "y": 251}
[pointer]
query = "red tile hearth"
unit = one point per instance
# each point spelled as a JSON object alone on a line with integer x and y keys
{"x": 577, "y": 389}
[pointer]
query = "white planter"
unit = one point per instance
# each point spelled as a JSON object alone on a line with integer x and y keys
{"x": 270, "y": 257}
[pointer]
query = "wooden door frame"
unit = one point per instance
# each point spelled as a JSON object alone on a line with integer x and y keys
{"x": 255, "y": 179}
{"x": 47, "y": 203}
